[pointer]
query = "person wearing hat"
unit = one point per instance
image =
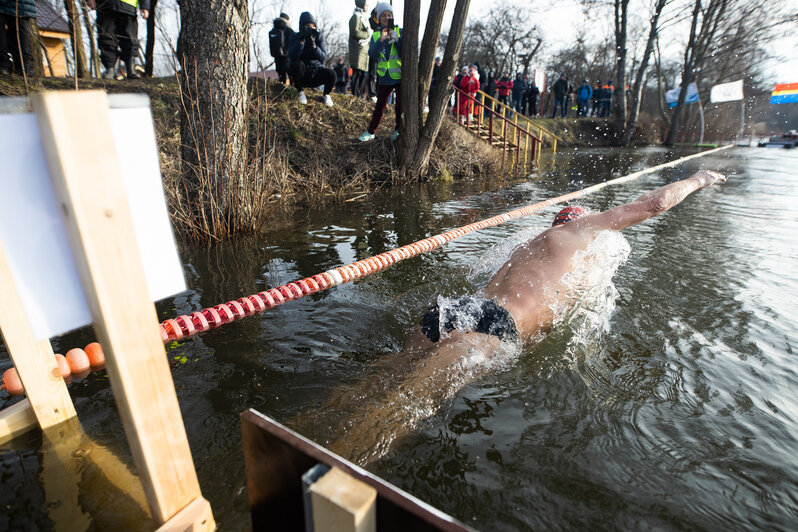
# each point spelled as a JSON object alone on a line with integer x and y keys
{"x": 359, "y": 40}
{"x": 386, "y": 50}
{"x": 279, "y": 41}
{"x": 308, "y": 52}
{"x": 583, "y": 96}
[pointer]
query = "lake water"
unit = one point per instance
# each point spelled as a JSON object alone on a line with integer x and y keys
{"x": 669, "y": 403}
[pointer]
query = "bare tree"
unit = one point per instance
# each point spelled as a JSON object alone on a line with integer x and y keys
{"x": 416, "y": 135}
{"x": 212, "y": 48}
{"x": 149, "y": 50}
{"x": 637, "y": 88}
{"x": 700, "y": 42}
{"x": 76, "y": 36}
{"x": 504, "y": 39}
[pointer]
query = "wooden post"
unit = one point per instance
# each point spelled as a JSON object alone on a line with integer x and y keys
{"x": 77, "y": 138}
{"x": 343, "y": 503}
{"x": 34, "y": 360}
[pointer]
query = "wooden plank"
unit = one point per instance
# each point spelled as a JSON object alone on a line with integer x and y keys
{"x": 34, "y": 360}
{"x": 15, "y": 420}
{"x": 343, "y": 503}
{"x": 276, "y": 458}
{"x": 77, "y": 138}
{"x": 195, "y": 517}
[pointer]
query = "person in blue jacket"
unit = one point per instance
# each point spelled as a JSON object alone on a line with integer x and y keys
{"x": 583, "y": 96}
{"x": 308, "y": 52}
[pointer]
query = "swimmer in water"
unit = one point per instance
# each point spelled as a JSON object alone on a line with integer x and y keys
{"x": 516, "y": 305}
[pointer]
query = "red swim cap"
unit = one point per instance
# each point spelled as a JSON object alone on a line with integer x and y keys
{"x": 568, "y": 214}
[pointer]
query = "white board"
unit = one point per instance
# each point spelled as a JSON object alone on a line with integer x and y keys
{"x": 32, "y": 231}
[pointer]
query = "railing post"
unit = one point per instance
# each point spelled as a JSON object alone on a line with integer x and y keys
{"x": 490, "y": 129}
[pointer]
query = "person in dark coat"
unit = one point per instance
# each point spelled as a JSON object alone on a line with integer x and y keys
{"x": 117, "y": 33}
{"x": 560, "y": 90}
{"x": 532, "y": 99}
{"x": 436, "y": 68}
{"x": 15, "y": 27}
{"x": 279, "y": 41}
{"x": 594, "y": 111}
{"x": 374, "y": 23}
{"x": 519, "y": 88}
{"x": 308, "y": 52}
{"x": 341, "y": 76}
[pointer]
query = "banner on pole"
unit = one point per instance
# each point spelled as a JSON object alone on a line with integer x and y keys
{"x": 727, "y": 92}
{"x": 672, "y": 96}
{"x": 785, "y": 93}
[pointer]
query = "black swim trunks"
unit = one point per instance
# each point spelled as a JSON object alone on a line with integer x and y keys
{"x": 469, "y": 313}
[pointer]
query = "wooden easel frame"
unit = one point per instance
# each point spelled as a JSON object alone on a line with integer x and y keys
{"x": 85, "y": 168}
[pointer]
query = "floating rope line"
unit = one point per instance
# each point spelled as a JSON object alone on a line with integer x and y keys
{"x": 213, "y": 317}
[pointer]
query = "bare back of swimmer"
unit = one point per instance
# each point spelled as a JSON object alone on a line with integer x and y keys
{"x": 515, "y": 304}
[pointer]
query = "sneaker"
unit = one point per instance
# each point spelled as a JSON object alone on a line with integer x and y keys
{"x": 109, "y": 74}
{"x": 302, "y": 98}
{"x": 5, "y": 72}
{"x": 328, "y": 101}
{"x": 133, "y": 75}
{"x": 365, "y": 137}
{"x": 394, "y": 136}
{"x": 374, "y": 99}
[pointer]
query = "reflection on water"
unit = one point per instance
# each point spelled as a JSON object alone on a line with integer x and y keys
{"x": 675, "y": 410}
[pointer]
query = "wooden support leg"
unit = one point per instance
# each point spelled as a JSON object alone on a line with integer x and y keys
{"x": 16, "y": 420}
{"x": 33, "y": 359}
{"x": 78, "y": 141}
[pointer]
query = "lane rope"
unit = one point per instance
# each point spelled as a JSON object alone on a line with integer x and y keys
{"x": 212, "y": 317}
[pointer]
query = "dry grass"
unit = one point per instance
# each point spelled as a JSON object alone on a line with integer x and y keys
{"x": 298, "y": 156}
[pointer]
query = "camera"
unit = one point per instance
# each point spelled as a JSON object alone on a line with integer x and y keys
{"x": 390, "y": 24}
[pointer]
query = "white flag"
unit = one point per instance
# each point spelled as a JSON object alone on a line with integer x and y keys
{"x": 727, "y": 92}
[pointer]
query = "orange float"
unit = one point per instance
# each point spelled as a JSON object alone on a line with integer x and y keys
{"x": 78, "y": 361}
{"x": 63, "y": 365}
{"x": 12, "y": 383}
{"x": 96, "y": 356}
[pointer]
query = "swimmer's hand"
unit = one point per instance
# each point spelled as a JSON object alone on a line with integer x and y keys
{"x": 708, "y": 178}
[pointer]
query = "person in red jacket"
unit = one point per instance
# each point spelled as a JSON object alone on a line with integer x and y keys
{"x": 469, "y": 84}
{"x": 504, "y": 86}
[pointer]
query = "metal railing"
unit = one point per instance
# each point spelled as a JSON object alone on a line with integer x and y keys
{"x": 497, "y": 129}
{"x": 517, "y": 118}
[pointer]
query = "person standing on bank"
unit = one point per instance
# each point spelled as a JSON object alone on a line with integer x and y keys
{"x": 117, "y": 33}
{"x": 583, "y": 97}
{"x": 341, "y": 76}
{"x": 308, "y": 52}
{"x": 386, "y": 50}
{"x": 279, "y": 40}
{"x": 359, "y": 40}
{"x": 15, "y": 27}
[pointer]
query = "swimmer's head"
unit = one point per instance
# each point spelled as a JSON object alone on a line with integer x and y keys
{"x": 568, "y": 214}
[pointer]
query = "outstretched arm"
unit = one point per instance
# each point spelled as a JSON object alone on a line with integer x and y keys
{"x": 650, "y": 204}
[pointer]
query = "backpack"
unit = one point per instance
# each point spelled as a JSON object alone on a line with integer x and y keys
{"x": 278, "y": 46}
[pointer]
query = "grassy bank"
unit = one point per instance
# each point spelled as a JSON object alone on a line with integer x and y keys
{"x": 301, "y": 156}
{"x": 595, "y": 132}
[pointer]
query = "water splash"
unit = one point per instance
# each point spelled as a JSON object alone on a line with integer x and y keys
{"x": 590, "y": 293}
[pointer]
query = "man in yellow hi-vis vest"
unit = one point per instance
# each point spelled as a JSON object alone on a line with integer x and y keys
{"x": 117, "y": 33}
{"x": 386, "y": 49}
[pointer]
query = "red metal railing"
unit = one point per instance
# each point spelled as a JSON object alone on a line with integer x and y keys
{"x": 519, "y": 140}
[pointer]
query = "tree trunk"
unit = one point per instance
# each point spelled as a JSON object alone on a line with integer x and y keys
{"x": 35, "y": 47}
{"x": 213, "y": 44}
{"x": 94, "y": 56}
{"x": 76, "y": 36}
{"x": 687, "y": 76}
{"x": 149, "y": 60}
{"x": 637, "y": 89}
{"x": 415, "y": 141}
{"x": 619, "y": 99}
